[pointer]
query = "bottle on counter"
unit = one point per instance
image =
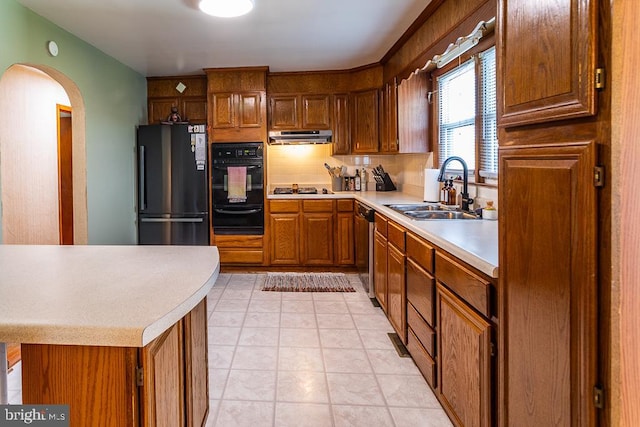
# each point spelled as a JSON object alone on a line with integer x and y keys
{"x": 364, "y": 180}
{"x": 451, "y": 198}
{"x": 444, "y": 193}
{"x": 357, "y": 181}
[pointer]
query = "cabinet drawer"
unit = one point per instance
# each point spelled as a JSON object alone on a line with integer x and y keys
{"x": 395, "y": 235}
{"x": 469, "y": 286}
{"x": 232, "y": 241}
{"x": 235, "y": 256}
{"x": 420, "y": 251}
{"x": 421, "y": 291}
{"x": 421, "y": 330}
{"x": 422, "y": 359}
{"x": 317, "y": 205}
{"x": 381, "y": 224}
{"x": 284, "y": 206}
{"x": 345, "y": 205}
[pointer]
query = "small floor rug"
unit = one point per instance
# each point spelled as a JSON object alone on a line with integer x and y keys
{"x": 307, "y": 282}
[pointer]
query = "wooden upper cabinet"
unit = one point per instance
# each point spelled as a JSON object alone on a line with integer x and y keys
{"x": 162, "y": 94}
{"x": 548, "y": 293}
{"x": 160, "y": 108}
{"x": 546, "y": 60}
{"x": 307, "y": 111}
{"x": 194, "y": 109}
{"x": 413, "y": 114}
{"x": 364, "y": 122}
{"x": 283, "y": 111}
{"x": 316, "y": 111}
{"x": 341, "y": 131}
{"x": 249, "y": 114}
{"x": 222, "y": 110}
{"x": 389, "y": 118}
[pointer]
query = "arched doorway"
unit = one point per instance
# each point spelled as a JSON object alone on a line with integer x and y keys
{"x": 30, "y": 96}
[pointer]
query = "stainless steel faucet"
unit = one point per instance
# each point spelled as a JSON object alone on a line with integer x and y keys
{"x": 466, "y": 200}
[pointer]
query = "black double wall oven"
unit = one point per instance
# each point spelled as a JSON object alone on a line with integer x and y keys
{"x": 237, "y": 177}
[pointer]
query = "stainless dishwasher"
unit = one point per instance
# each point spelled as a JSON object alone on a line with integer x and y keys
{"x": 365, "y": 228}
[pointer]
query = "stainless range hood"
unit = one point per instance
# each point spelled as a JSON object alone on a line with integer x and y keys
{"x": 293, "y": 137}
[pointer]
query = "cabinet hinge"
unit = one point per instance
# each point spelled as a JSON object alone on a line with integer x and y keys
{"x": 598, "y": 176}
{"x": 598, "y": 397}
{"x": 139, "y": 376}
{"x": 600, "y": 78}
{"x": 492, "y": 349}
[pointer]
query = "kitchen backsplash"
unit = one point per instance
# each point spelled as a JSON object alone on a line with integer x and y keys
{"x": 304, "y": 165}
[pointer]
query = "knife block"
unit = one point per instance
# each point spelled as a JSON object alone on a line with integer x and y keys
{"x": 386, "y": 184}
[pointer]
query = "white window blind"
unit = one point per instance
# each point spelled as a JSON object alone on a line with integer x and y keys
{"x": 489, "y": 137}
{"x": 461, "y": 117}
{"x": 457, "y": 114}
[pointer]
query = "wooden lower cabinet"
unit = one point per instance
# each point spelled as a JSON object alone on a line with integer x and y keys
{"x": 239, "y": 249}
{"x": 464, "y": 361}
{"x": 161, "y": 396}
{"x": 312, "y": 232}
{"x": 162, "y": 384}
{"x": 396, "y": 291}
{"x": 380, "y": 269}
{"x": 548, "y": 289}
{"x": 317, "y": 238}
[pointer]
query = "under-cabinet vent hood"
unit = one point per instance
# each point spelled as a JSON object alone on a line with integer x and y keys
{"x": 292, "y": 137}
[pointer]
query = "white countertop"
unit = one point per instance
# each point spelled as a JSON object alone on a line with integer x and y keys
{"x": 123, "y": 296}
{"x": 473, "y": 241}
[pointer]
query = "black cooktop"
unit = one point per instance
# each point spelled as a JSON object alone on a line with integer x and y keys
{"x": 301, "y": 190}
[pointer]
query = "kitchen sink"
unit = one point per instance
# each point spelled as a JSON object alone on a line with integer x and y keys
{"x": 427, "y": 212}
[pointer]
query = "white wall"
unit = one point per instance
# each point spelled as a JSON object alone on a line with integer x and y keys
{"x": 29, "y": 153}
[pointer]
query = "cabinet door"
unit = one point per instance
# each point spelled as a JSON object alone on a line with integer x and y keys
{"x": 284, "y": 112}
{"x": 389, "y": 119}
{"x": 194, "y": 109}
{"x": 365, "y": 136}
{"x": 196, "y": 368}
{"x": 317, "y": 238}
{"x": 396, "y": 291}
{"x": 162, "y": 395}
{"x": 345, "y": 238}
{"x": 413, "y": 114}
{"x": 546, "y": 59}
{"x": 160, "y": 108}
{"x": 464, "y": 361}
{"x": 222, "y": 114}
{"x": 341, "y": 131}
{"x": 249, "y": 111}
{"x": 315, "y": 112}
{"x": 548, "y": 286}
{"x": 285, "y": 232}
{"x": 380, "y": 269}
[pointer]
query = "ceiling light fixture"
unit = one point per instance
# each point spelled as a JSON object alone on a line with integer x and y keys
{"x": 226, "y": 8}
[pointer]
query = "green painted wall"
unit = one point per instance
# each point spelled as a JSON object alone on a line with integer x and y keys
{"x": 115, "y": 102}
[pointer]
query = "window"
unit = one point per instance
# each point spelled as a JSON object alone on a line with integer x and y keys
{"x": 467, "y": 115}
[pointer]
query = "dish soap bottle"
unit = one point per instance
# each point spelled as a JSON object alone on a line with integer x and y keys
{"x": 489, "y": 211}
{"x": 451, "y": 198}
{"x": 444, "y": 193}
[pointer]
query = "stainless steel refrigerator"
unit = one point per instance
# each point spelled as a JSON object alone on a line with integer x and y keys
{"x": 172, "y": 185}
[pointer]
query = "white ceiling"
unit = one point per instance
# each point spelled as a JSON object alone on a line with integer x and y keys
{"x": 172, "y": 37}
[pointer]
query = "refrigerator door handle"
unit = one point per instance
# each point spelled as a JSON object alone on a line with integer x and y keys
{"x": 141, "y": 175}
{"x": 245, "y": 212}
{"x": 171, "y": 219}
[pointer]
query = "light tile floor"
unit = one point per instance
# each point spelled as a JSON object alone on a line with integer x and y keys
{"x": 304, "y": 359}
